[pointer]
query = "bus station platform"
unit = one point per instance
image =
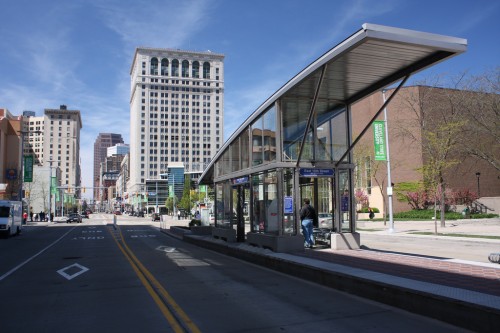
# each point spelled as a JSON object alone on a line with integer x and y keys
{"x": 463, "y": 293}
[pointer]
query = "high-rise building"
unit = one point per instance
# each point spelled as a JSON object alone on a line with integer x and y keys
{"x": 54, "y": 140}
{"x": 103, "y": 141}
{"x": 176, "y": 112}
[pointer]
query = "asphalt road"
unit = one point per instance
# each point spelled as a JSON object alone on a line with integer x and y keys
{"x": 91, "y": 277}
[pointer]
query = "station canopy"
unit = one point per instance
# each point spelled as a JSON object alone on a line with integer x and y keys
{"x": 369, "y": 60}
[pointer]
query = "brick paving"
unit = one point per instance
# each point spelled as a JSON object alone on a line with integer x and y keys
{"x": 472, "y": 277}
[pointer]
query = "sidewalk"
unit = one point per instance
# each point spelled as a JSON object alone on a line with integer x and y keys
{"x": 465, "y": 294}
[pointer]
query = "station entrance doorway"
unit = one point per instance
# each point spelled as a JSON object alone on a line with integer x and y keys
{"x": 241, "y": 215}
{"x": 329, "y": 195}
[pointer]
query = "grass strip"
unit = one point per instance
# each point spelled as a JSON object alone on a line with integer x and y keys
{"x": 455, "y": 235}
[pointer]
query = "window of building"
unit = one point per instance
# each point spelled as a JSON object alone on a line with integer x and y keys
{"x": 164, "y": 67}
{"x": 196, "y": 69}
{"x": 175, "y": 67}
{"x": 185, "y": 69}
{"x": 154, "y": 66}
{"x": 206, "y": 70}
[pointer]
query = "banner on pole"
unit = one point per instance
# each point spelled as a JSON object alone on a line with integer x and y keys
{"x": 379, "y": 140}
{"x": 28, "y": 169}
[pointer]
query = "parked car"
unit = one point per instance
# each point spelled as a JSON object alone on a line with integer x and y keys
{"x": 74, "y": 217}
{"x": 325, "y": 220}
{"x": 117, "y": 212}
{"x": 84, "y": 215}
{"x": 155, "y": 217}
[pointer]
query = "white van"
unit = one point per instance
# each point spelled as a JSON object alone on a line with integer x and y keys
{"x": 11, "y": 217}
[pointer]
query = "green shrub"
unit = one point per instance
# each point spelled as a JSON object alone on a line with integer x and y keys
{"x": 365, "y": 210}
{"x": 195, "y": 223}
{"x": 428, "y": 214}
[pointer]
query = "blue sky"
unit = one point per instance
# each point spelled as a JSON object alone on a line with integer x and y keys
{"x": 79, "y": 52}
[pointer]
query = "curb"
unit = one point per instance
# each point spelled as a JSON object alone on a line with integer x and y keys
{"x": 410, "y": 295}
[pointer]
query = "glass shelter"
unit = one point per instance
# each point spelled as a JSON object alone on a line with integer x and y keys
{"x": 298, "y": 143}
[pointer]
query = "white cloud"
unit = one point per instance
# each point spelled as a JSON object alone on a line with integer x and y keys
{"x": 154, "y": 23}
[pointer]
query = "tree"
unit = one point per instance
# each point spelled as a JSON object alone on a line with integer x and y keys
{"x": 436, "y": 125}
{"x": 482, "y": 112}
{"x": 185, "y": 202}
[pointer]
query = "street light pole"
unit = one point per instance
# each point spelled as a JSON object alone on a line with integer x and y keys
{"x": 478, "y": 174}
{"x": 50, "y": 188}
{"x": 389, "y": 180}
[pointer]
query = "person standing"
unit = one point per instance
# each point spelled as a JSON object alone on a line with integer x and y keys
{"x": 307, "y": 217}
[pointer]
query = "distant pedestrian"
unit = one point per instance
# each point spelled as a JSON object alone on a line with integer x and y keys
{"x": 307, "y": 217}
{"x": 371, "y": 214}
{"x": 25, "y": 217}
{"x": 31, "y": 216}
{"x": 178, "y": 214}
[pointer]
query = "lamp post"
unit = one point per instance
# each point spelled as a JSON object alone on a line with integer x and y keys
{"x": 478, "y": 174}
{"x": 389, "y": 180}
{"x": 50, "y": 187}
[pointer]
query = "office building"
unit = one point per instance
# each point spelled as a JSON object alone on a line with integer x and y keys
{"x": 176, "y": 112}
{"x": 55, "y": 137}
{"x": 102, "y": 143}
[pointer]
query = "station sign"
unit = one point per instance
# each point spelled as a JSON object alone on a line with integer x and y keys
{"x": 315, "y": 172}
{"x": 241, "y": 180}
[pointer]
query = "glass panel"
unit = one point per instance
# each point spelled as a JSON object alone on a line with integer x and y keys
{"x": 219, "y": 205}
{"x": 235, "y": 155}
{"x": 244, "y": 146}
{"x": 271, "y": 197}
{"x": 226, "y": 163}
{"x": 257, "y": 157}
{"x": 294, "y": 116}
{"x": 325, "y": 203}
{"x": 269, "y": 134}
{"x": 226, "y": 221}
{"x": 324, "y": 145}
{"x": 345, "y": 206}
{"x": 339, "y": 132}
{"x": 289, "y": 218}
{"x": 258, "y": 209}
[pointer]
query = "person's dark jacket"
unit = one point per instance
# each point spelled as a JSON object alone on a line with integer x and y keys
{"x": 307, "y": 212}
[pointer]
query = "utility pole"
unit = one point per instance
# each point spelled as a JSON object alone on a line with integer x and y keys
{"x": 389, "y": 181}
{"x": 50, "y": 187}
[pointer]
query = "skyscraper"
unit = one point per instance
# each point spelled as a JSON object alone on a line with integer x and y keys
{"x": 56, "y": 137}
{"x": 176, "y": 112}
{"x": 101, "y": 144}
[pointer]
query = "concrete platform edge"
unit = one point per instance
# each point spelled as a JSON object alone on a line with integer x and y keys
{"x": 469, "y": 315}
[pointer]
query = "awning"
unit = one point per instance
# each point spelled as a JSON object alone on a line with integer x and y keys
{"x": 372, "y": 58}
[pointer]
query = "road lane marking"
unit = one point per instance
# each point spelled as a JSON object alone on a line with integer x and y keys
{"x": 82, "y": 269}
{"x": 33, "y": 257}
{"x": 155, "y": 289}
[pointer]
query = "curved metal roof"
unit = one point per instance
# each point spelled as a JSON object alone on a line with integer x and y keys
{"x": 367, "y": 61}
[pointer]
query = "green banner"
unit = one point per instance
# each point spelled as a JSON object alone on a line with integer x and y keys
{"x": 379, "y": 140}
{"x": 53, "y": 185}
{"x": 28, "y": 169}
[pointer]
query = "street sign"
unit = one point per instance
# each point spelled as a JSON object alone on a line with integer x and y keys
{"x": 315, "y": 172}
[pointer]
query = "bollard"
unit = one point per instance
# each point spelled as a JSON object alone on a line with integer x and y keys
{"x": 114, "y": 221}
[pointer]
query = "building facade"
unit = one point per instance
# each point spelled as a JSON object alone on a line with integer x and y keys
{"x": 101, "y": 144}
{"x": 406, "y": 134}
{"x": 10, "y": 152}
{"x": 176, "y": 112}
